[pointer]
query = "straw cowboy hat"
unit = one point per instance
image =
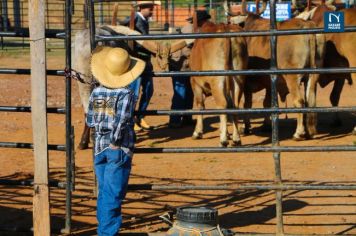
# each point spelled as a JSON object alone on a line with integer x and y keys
{"x": 146, "y": 3}
{"x": 114, "y": 68}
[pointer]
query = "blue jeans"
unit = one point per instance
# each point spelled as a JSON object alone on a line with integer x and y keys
{"x": 112, "y": 168}
{"x": 182, "y": 98}
{"x": 147, "y": 88}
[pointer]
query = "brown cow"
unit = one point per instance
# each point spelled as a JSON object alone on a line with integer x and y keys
{"x": 218, "y": 54}
{"x": 331, "y": 59}
{"x": 339, "y": 52}
{"x": 293, "y": 52}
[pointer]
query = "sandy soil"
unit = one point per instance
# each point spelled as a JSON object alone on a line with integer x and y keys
{"x": 305, "y": 212}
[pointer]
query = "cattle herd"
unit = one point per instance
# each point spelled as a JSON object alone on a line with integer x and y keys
{"x": 241, "y": 53}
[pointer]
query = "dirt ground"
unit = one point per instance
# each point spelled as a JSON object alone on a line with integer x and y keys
{"x": 305, "y": 212}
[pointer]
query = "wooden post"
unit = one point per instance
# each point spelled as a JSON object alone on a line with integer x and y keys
{"x": 41, "y": 216}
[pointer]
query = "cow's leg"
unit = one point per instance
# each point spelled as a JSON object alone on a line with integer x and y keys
{"x": 311, "y": 118}
{"x": 238, "y": 91}
{"x": 220, "y": 98}
{"x": 84, "y": 140}
{"x": 267, "y": 124}
{"x": 199, "y": 104}
{"x": 335, "y": 98}
{"x": 247, "y": 105}
{"x": 298, "y": 101}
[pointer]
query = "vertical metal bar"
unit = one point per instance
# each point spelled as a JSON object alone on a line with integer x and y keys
{"x": 172, "y": 14}
{"x": 195, "y": 5}
{"x": 166, "y": 15}
{"x": 69, "y": 141}
{"x": 274, "y": 118}
{"x": 4, "y": 14}
{"x": 101, "y": 13}
{"x": 73, "y": 158}
{"x": 17, "y": 15}
{"x": 91, "y": 15}
{"x": 47, "y": 14}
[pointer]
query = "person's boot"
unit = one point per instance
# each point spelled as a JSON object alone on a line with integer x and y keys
{"x": 143, "y": 124}
{"x": 137, "y": 128}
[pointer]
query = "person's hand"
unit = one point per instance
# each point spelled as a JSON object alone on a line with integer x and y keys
{"x": 113, "y": 146}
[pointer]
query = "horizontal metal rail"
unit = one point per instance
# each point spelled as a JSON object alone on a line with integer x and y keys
{"x": 28, "y": 72}
{"x": 241, "y": 187}
{"x": 242, "y": 149}
{"x": 334, "y": 70}
{"x": 11, "y": 182}
{"x": 54, "y": 147}
{"x": 248, "y": 111}
{"x": 55, "y": 110}
{"x": 99, "y": 38}
{"x": 24, "y": 33}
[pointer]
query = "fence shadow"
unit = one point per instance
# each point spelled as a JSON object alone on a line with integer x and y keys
{"x": 143, "y": 208}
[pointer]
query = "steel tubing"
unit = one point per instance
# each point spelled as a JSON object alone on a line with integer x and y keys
{"x": 242, "y": 149}
{"x": 55, "y": 110}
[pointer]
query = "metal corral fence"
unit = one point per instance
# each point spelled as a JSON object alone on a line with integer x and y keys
{"x": 274, "y": 148}
{"x": 69, "y": 129}
{"x": 14, "y": 17}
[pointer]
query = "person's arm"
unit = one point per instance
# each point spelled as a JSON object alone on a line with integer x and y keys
{"x": 90, "y": 115}
{"x": 150, "y": 45}
{"x": 124, "y": 112}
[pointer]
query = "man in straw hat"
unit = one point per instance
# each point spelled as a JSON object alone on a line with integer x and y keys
{"x": 142, "y": 16}
{"x": 111, "y": 108}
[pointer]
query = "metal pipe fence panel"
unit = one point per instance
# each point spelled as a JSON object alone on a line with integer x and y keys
{"x": 275, "y": 147}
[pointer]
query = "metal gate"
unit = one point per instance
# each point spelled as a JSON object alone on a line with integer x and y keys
{"x": 275, "y": 148}
{"x": 69, "y": 145}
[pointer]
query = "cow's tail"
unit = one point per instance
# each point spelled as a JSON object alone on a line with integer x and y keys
{"x": 114, "y": 14}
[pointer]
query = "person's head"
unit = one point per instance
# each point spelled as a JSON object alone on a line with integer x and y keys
{"x": 146, "y": 7}
{"x": 202, "y": 17}
{"x": 114, "y": 68}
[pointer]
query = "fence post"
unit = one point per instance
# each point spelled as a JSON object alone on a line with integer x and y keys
{"x": 17, "y": 14}
{"x": 41, "y": 217}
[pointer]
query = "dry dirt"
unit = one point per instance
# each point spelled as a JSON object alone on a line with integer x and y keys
{"x": 305, "y": 212}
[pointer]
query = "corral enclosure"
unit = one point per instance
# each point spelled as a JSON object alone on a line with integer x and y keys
{"x": 249, "y": 211}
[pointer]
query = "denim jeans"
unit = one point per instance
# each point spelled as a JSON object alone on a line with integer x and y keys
{"x": 182, "y": 98}
{"x": 112, "y": 168}
{"x": 147, "y": 88}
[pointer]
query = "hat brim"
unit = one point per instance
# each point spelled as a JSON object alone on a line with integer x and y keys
{"x": 155, "y": 3}
{"x": 109, "y": 80}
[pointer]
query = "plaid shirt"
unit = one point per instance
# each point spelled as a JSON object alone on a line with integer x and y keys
{"x": 111, "y": 113}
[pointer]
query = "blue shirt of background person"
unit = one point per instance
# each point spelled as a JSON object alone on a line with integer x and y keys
{"x": 110, "y": 112}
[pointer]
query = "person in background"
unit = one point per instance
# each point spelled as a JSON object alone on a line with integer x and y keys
{"x": 142, "y": 16}
{"x": 110, "y": 112}
{"x": 182, "y": 91}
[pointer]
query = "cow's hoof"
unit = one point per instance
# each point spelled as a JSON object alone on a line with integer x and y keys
{"x": 297, "y": 137}
{"x": 83, "y": 145}
{"x": 354, "y": 132}
{"x": 267, "y": 128}
{"x": 197, "y": 136}
{"x": 224, "y": 143}
{"x": 236, "y": 143}
{"x": 246, "y": 131}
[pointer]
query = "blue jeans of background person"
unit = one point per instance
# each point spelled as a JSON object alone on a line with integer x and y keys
{"x": 147, "y": 88}
{"x": 182, "y": 98}
{"x": 112, "y": 168}
{"x": 135, "y": 87}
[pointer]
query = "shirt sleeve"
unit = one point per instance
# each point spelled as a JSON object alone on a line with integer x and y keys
{"x": 124, "y": 112}
{"x": 90, "y": 115}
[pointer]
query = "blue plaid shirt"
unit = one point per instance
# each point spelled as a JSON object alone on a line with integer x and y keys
{"x": 111, "y": 113}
